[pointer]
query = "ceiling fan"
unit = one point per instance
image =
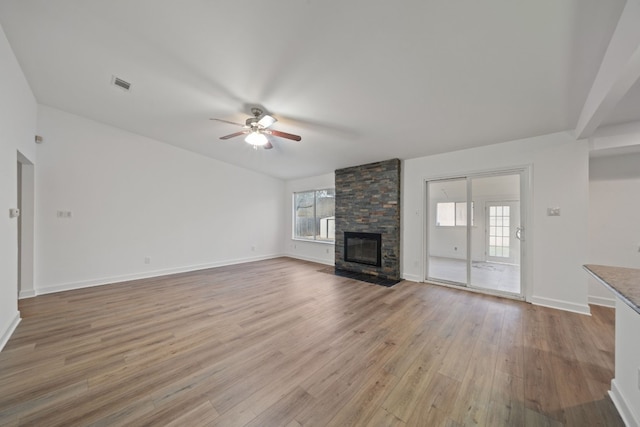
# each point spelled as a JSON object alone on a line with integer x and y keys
{"x": 257, "y": 128}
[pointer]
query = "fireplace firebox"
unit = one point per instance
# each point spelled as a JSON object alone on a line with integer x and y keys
{"x": 363, "y": 248}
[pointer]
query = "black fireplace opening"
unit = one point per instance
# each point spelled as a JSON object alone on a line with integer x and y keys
{"x": 363, "y": 248}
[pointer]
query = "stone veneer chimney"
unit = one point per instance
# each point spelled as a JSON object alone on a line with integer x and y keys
{"x": 368, "y": 201}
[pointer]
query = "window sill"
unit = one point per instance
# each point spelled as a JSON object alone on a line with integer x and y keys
{"x": 323, "y": 242}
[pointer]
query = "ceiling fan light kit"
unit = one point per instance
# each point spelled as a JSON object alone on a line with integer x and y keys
{"x": 257, "y": 139}
{"x": 256, "y": 129}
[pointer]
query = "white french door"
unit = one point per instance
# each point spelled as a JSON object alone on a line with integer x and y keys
{"x": 502, "y": 232}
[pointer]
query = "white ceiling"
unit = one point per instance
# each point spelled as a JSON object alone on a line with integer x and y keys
{"x": 361, "y": 81}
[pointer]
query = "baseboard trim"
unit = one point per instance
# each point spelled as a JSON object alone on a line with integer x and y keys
{"x": 630, "y": 419}
{"x": 561, "y": 305}
{"x": 27, "y": 294}
{"x": 311, "y": 259}
{"x": 146, "y": 275}
{"x": 605, "y": 302}
{"x": 412, "y": 278}
{"x": 4, "y": 338}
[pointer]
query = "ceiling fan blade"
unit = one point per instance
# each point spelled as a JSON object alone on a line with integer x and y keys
{"x": 227, "y": 121}
{"x": 284, "y": 135}
{"x": 233, "y": 135}
{"x": 268, "y": 146}
{"x": 266, "y": 121}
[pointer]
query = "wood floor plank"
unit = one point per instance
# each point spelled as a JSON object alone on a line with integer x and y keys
{"x": 131, "y": 413}
{"x": 473, "y": 400}
{"x": 511, "y": 343}
{"x": 281, "y": 342}
{"x": 36, "y": 403}
{"x": 361, "y": 408}
{"x": 284, "y": 410}
{"x": 185, "y": 412}
{"x": 382, "y": 418}
{"x": 407, "y": 392}
{"x": 507, "y": 407}
{"x": 238, "y": 416}
{"x": 435, "y": 401}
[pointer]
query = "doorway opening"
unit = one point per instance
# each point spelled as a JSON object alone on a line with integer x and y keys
{"x": 475, "y": 229}
{"x": 26, "y": 204}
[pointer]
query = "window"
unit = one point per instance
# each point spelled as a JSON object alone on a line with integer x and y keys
{"x": 314, "y": 215}
{"x": 450, "y": 214}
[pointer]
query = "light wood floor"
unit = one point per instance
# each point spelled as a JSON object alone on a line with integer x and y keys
{"x": 278, "y": 343}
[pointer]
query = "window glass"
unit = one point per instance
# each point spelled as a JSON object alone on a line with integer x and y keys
{"x": 446, "y": 214}
{"x": 325, "y": 219}
{"x": 450, "y": 214}
{"x": 314, "y": 215}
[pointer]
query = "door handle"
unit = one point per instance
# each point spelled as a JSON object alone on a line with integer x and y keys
{"x": 519, "y": 231}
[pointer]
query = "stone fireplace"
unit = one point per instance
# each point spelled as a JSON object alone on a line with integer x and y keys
{"x": 367, "y": 224}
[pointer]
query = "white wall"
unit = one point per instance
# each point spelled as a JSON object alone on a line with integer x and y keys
{"x": 311, "y": 251}
{"x": 132, "y": 197}
{"x": 17, "y": 131}
{"x": 614, "y": 229}
{"x": 555, "y": 247}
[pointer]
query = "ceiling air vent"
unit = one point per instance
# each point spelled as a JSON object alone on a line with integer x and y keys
{"x": 124, "y": 85}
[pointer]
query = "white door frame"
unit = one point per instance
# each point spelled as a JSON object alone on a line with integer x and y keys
{"x": 26, "y": 236}
{"x": 526, "y": 244}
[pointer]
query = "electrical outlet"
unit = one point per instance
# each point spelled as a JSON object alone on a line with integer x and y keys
{"x": 147, "y": 260}
{"x": 253, "y": 248}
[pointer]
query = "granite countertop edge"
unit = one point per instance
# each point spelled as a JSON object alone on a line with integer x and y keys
{"x": 624, "y": 282}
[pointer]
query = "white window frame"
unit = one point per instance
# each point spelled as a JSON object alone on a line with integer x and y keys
{"x": 315, "y": 204}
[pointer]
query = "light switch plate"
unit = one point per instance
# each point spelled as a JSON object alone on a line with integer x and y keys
{"x": 14, "y": 213}
{"x": 553, "y": 211}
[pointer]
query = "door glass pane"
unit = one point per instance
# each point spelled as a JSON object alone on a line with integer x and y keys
{"x": 495, "y": 250}
{"x": 447, "y": 231}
